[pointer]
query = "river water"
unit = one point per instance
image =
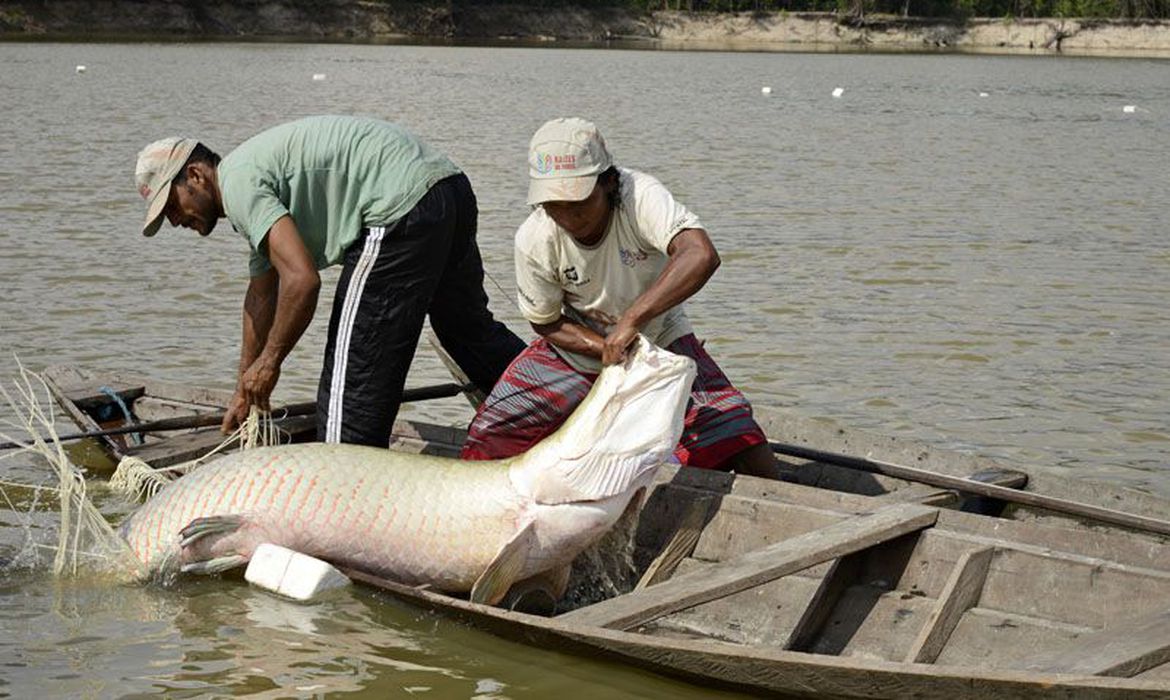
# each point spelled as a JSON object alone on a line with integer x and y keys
{"x": 966, "y": 250}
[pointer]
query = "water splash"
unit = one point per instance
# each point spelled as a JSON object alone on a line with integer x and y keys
{"x": 84, "y": 537}
{"x": 606, "y": 569}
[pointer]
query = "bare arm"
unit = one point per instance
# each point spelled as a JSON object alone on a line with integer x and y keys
{"x": 259, "y": 310}
{"x": 693, "y": 260}
{"x": 297, "y": 289}
{"x": 278, "y": 307}
{"x": 571, "y": 336}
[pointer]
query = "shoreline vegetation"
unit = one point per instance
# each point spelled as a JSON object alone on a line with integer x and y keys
{"x": 855, "y": 25}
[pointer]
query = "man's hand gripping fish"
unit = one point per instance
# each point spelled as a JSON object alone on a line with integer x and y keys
{"x": 458, "y": 526}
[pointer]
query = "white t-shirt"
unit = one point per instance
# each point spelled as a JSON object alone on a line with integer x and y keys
{"x": 595, "y": 285}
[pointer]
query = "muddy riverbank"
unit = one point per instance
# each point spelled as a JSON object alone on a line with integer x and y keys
{"x": 345, "y": 20}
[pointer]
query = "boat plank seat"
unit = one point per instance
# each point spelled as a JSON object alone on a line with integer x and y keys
{"x": 756, "y": 567}
{"x": 917, "y": 595}
{"x": 764, "y": 615}
{"x": 88, "y": 397}
{"x": 1123, "y": 650}
{"x": 960, "y": 594}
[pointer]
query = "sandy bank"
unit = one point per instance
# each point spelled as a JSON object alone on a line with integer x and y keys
{"x": 779, "y": 31}
{"x": 359, "y": 21}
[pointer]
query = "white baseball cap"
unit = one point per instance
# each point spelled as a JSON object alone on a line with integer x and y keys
{"x": 158, "y": 164}
{"x": 564, "y": 159}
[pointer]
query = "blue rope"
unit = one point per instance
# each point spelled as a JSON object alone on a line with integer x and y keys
{"x": 135, "y": 438}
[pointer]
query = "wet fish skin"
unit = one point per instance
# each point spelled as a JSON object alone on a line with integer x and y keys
{"x": 384, "y": 512}
{"x": 457, "y": 526}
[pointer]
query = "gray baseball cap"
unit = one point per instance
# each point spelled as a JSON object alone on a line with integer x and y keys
{"x": 565, "y": 157}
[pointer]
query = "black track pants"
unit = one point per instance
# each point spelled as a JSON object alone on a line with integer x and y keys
{"x": 393, "y": 277}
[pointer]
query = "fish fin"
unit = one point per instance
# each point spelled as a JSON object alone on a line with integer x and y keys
{"x": 213, "y": 525}
{"x": 494, "y": 582}
{"x": 614, "y": 441}
{"x": 589, "y": 478}
{"x": 217, "y": 565}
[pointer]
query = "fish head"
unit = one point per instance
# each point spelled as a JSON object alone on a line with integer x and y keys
{"x": 626, "y": 426}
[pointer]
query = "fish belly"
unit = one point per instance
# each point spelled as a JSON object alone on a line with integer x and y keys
{"x": 413, "y": 518}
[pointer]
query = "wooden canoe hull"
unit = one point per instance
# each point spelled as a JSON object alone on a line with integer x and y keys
{"x": 769, "y": 670}
{"x": 842, "y": 584}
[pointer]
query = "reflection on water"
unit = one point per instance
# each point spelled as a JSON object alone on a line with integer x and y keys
{"x": 222, "y": 638}
{"x": 964, "y": 250}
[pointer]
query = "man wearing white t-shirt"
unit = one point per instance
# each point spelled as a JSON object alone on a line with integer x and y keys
{"x": 606, "y": 254}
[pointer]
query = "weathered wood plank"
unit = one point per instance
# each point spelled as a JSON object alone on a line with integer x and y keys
{"x": 724, "y": 483}
{"x": 934, "y": 496}
{"x": 680, "y": 545}
{"x": 1077, "y": 509}
{"x": 1060, "y": 535}
{"x": 742, "y": 525}
{"x": 993, "y": 639}
{"x": 83, "y": 420}
{"x": 960, "y": 594}
{"x": 1158, "y": 674}
{"x": 920, "y": 493}
{"x": 842, "y": 574}
{"x": 757, "y": 567}
{"x": 872, "y": 622}
{"x": 764, "y": 615}
{"x": 768, "y": 670}
{"x": 1070, "y": 588}
{"x": 786, "y": 426}
{"x": 176, "y": 449}
{"x": 1123, "y": 650}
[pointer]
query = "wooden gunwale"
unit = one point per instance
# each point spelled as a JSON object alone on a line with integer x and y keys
{"x": 1054, "y": 482}
{"x": 768, "y": 669}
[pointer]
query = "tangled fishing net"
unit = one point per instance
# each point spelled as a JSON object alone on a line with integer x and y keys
{"x": 139, "y": 481}
{"x": 85, "y": 539}
{"x": 83, "y": 532}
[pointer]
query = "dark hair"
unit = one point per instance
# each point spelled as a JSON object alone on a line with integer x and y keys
{"x": 201, "y": 154}
{"x": 614, "y": 177}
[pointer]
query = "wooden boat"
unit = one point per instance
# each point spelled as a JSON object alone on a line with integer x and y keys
{"x": 842, "y": 583}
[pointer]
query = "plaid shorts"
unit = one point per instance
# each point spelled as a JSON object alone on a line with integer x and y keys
{"x": 539, "y": 390}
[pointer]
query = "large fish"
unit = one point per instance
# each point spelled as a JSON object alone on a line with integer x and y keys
{"x": 475, "y": 527}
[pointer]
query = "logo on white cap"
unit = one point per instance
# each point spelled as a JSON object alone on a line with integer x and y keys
{"x": 565, "y": 157}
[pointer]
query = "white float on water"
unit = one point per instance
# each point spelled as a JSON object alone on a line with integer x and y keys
{"x": 318, "y": 76}
{"x": 1129, "y": 109}
{"x": 766, "y": 90}
{"x": 81, "y": 69}
{"x": 837, "y": 92}
{"x": 292, "y": 574}
{"x": 983, "y": 94}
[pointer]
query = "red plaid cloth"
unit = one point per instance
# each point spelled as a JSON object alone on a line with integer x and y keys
{"x": 539, "y": 390}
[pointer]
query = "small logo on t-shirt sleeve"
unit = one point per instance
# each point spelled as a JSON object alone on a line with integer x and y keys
{"x": 573, "y": 277}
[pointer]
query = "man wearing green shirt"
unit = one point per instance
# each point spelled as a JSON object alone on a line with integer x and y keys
{"x": 321, "y": 191}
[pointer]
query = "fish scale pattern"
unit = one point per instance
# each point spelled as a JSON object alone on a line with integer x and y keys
{"x": 413, "y": 518}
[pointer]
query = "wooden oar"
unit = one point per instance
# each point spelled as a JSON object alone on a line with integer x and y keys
{"x": 1058, "y": 505}
{"x": 437, "y": 391}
